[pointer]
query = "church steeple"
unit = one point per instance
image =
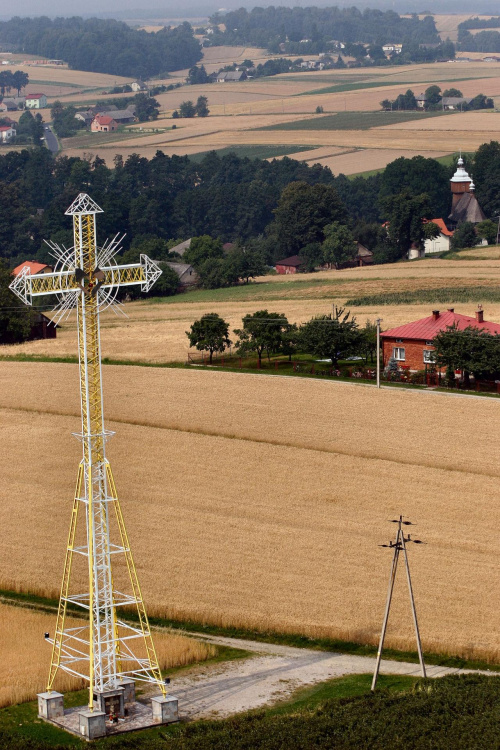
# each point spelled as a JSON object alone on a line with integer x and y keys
{"x": 460, "y": 183}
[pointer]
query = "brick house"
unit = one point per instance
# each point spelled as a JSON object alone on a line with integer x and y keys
{"x": 103, "y": 124}
{"x": 411, "y": 345}
{"x": 293, "y": 264}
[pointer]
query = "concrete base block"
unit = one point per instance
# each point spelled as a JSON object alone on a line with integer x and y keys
{"x": 128, "y": 686}
{"x": 111, "y": 702}
{"x": 92, "y": 724}
{"x": 50, "y": 705}
{"x": 165, "y": 710}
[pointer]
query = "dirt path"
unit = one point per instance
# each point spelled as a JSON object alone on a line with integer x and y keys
{"x": 273, "y": 673}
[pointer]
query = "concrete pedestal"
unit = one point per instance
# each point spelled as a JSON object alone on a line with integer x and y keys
{"x": 128, "y": 686}
{"x": 50, "y": 705}
{"x": 92, "y": 724}
{"x": 111, "y": 702}
{"x": 165, "y": 710}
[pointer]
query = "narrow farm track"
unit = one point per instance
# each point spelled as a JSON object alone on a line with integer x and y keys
{"x": 273, "y": 674}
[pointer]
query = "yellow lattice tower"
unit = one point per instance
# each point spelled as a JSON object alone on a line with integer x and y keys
{"x": 104, "y": 650}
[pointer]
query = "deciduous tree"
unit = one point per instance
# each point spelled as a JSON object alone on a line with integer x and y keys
{"x": 334, "y": 336}
{"x": 209, "y": 334}
{"x": 262, "y": 332}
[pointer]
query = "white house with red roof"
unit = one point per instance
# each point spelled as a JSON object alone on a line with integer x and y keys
{"x": 411, "y": 345}
{"x": 7, "y": 133}
{"x": 441, "y": 243}
{"x": 36, "y": 101}
{"x": 103, "y": 124}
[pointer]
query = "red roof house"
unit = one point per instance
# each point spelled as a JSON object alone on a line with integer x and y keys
{"x": 103, "y": 124}
{"x": 411, "y": 344}
{"x": 33, "y": 266}
{"x": 292, "y": 264}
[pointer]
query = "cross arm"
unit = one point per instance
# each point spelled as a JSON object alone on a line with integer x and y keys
{"x": 27, "y": 285}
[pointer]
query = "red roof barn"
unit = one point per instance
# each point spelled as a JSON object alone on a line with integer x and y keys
{"x": 292, "y": 264}
{"x": 411, "y": 344}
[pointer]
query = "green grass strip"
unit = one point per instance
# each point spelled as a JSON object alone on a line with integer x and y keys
{"x": 354, "y": 120}
{"x": 443, "y": 295}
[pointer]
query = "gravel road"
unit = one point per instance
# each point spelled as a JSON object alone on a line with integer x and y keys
{"x": 271, "y": 674}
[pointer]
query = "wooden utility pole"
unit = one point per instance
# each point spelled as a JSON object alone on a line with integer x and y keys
{"x": 399, "y": 546}
{"x": 379, "y": 320}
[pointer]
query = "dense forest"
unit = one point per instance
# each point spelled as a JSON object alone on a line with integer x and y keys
{"x": 104, "y": 46}
{"x": 272, "y": 26}
{"x": 227, "y": 197}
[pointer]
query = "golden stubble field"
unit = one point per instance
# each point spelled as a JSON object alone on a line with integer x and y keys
{"x": 25, "y": 655}
{"x": 260, "y": 501}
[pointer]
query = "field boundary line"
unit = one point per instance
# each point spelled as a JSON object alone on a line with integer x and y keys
{"x": 263, "y": 441}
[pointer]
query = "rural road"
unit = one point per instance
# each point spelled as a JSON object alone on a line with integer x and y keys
{"x": 272, "y": 674}
{"x": 50, "y": 139}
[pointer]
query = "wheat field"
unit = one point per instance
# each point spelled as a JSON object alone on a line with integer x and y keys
{"x": 260, "y": 501}
{"x": 25, "y": 656}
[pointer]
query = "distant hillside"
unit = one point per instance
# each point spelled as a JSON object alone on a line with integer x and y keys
{"x": 272, "y": 26}
{"x": 104, "y": 46}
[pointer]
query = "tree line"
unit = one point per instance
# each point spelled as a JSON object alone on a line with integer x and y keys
{"x": 104, "y": 45}
{"x": 278, "y": 208}
{"x": 311, "y": 30}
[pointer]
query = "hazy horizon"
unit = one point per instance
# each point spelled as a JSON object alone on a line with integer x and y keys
{"x": 128, "y": 9}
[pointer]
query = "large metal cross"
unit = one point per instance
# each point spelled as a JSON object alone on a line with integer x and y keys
{"x": 88, "y": 278}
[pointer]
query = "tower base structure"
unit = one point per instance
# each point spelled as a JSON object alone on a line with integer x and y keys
{"x": 115, "y": 711}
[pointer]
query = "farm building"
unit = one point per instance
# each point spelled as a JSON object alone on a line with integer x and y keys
{"x": 34, "y": 267}
{"x": 181, "y": 248}
{"x": 7, "y": 133}
{"x": 42, "y": 328}
{"x": 186, "y": 273}
{"x": 103, "y": 124}
{"x": 231, "y": 75}
{"x": 36, "y": 101}
{"x": 293, "y": 264}
{"x": 411, "y": 345}
{"x": 12, "y": 103}
{"x": 120, "y": 116}
{"x": 455, "y": 102}
{"x": 138, "y": 86}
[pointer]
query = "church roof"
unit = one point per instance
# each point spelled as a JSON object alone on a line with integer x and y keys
{"x": 467, "y": 209}
{"x": 460, "y": 175}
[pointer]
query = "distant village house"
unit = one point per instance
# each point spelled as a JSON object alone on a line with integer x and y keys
{"x": 293, "y": 264}
{"x": 7, "y": 133}
{"x": 36, "y": 101}
{"x": 103, "y": 124}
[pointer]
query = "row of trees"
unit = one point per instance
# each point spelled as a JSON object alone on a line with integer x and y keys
{"x": 9, "y": 80}
{"x": 188, "y": 109}
{"x": 266, "y": 333}
{"x": 104, "y": 45}
{"x": 434, "y": 100}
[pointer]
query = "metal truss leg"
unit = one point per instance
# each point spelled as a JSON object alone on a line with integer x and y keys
{"x": 61, "y": 612}
{"x": 134, "y": 581}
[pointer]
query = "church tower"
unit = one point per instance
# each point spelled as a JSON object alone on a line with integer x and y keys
{"x": 460, "y": 183}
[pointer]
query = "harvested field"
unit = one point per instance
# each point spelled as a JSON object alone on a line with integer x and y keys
{"x": 367, "y": 159}
{"x": 277, "y": 520}
{"x": 468, "y": 122}
{"x": 25, "y": 657}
